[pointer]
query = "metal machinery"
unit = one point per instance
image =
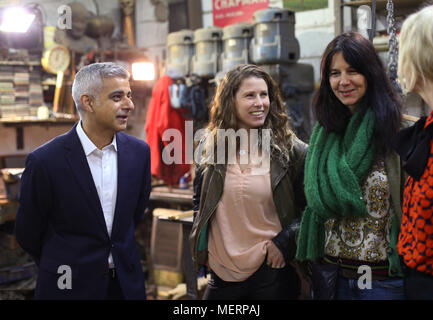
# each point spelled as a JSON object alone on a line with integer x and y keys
{"x": 236, "y": 42}
{"x": 208, "y": 53}
{"x": 276, "y": 49}
{"x": 180, "y": 50}
{"x": 208, "y": 46}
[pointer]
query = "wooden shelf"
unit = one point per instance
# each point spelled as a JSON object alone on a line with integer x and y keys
{"x": 8, "y": 210}
{"x": 20, "y": 121}
{"x": 20, "y": 63}
{"x": 356, "y": 3}
{"x": 382, "y": 43}
{"x": 381, "y": 4}
{"x": 48, "y": 82}
{"x": 172, "y": 195}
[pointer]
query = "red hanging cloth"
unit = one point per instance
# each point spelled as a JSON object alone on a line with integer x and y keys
{"x": 160, "y": 117}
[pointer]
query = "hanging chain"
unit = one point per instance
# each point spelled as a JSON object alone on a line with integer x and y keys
{"x": 393, "y": 46}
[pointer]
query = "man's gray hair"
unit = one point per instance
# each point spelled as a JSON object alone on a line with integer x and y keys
{"x": 89, "y": 80}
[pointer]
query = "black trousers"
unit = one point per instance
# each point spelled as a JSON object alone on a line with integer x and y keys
{"x": 114, "y": 290}
{"x": 265, "y": 284}
{"x": 418, "y": 285}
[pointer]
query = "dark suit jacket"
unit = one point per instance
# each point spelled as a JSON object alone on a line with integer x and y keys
{"x": 60, "y": 220}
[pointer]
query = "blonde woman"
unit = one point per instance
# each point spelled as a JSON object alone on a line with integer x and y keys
{"x": 415, "y": 145}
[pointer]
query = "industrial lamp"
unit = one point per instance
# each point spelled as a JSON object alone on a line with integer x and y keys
{"x": 143, "y": 71}
{"x": 16, "y": 19}
{"x": 21, "y": 27}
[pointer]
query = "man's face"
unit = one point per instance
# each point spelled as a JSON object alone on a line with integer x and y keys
{"x": 114, "y": 105}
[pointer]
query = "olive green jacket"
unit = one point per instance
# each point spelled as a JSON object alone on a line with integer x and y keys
{"x": 288, "y": 194}
{"x": 396, "y": 178}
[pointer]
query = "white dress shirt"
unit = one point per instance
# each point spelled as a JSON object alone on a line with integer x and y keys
{"x": 103, "y": 166}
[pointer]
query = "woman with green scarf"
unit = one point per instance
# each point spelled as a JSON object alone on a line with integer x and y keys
{"x": 353, "y": 179}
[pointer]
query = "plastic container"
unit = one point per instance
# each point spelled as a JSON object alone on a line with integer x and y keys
{"x": 180, "y": 52}
{"x": 236, "y": 41}
{"x": 208, "y": 47}
{"x": 274, "y": 37}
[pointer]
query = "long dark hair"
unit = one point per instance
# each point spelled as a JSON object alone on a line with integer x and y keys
{"x": 380, "y": 96}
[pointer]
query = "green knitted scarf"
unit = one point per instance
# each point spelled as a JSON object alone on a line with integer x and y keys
{"x": 335, "y": 168}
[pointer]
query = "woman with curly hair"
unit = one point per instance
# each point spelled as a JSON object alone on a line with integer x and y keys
{"x": 247, "y": 202}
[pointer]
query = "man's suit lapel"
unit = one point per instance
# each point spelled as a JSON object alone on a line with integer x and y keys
{"x": 124, "y": 163}
{"x": 78, "y": 162}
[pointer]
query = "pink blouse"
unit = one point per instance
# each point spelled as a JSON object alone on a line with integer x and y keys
{"x": 245, "y": 221}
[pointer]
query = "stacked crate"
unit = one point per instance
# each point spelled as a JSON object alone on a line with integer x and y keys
{"x": 20, "y": 89}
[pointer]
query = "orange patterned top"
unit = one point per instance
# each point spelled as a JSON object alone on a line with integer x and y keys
{"x": 415, "y": 242}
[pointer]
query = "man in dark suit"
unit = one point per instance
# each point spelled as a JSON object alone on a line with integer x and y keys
{"x": 83, "y": 193}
